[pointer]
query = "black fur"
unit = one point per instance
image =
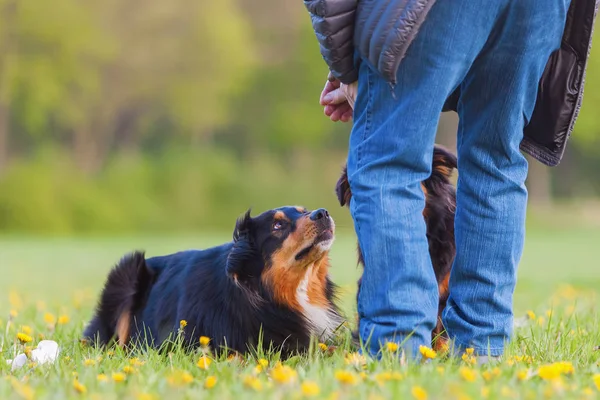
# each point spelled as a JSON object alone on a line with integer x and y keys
{"x": 125, "y": 290}
{"x": 218, "y": 291}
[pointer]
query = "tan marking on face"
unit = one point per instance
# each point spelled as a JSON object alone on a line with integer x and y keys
{"x": 279, "y": 215}
{"x": 285, "y": 272}
{"x": 123, "y": 324}
{"x": 301, "y": 209}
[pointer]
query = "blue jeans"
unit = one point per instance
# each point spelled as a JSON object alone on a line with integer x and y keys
{"x": 496, "y": 52}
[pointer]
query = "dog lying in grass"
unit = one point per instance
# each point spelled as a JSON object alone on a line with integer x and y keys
{"x": 270, "y": 281}
{"x": 269, "y": 286}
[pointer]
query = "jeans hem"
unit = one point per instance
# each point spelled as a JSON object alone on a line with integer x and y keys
{"x": 481, "y": 351}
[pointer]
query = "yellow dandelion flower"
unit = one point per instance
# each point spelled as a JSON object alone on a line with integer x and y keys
{"x": 118, "y": 376}
{"x": 491, "y": 374}
{"x": 468, "y": 359}
{"x": 15, "y": 299}
{"x": 49, "y": 318}
{"x": 506, "y": 392}
{"x": 523, "y": 374}
{"x": 541, "y": 321}
{"x": 418, "y": 393}
{"x": 323, "y": 346}
{"x": 24, "y": 338}
{"x": 383, "y": 377}
{"x": 13, "y": 314}
{"x": 469, "y": 351}
{"x": 310, "y": 388}
{"x": 355, "y": 359}
{"x": 26, "y": 329}
{"x": 391, "y": 347}
{"x": 346, "y": 377}
{"x": 79, "y": 388}
{"x": 88, "y": 362}
{"x": 210, "y": 382}
{"x": 553, "y": 371}
{"x": 263, "y": 363}
{"x": 548, "y": 313}
{"x": 204, "y": 341}
{"x": 145, "y": 396}
{"x": 588, "y": 392}
{"x": 440, "y": 370}
{"x": 283, "y": 374}
{"x": 63, "y": 320}
{"x": 485, "y": 392}
{"x": 102, "y": 378}
{"x": 468, "y": 374}
{"x": 204, "y": 362}
{"x": 136, "y": 362}
{"x": 128, "y": 369}
{"x": 180, "y": 378}
{"x": 531, "y": 315}
{"x": 22, "y": 390}
{"x": 253, "y": 383}
{"x": 334, "y": 396}
{"x": 427, "y": 352}
{"x": 363, "y": 375}
{"x": 596, "y": 379}
{"x": 182, "y": 323}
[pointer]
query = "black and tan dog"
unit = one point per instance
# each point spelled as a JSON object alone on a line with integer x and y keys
{"x": 271, "y": 281}
{"x": 440, "y": 206}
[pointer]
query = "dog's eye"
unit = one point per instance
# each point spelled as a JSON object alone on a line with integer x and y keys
{"x": 277, "y": 226}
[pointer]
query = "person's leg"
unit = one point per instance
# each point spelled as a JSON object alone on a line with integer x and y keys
{"x": 390, "y": 153}
{"x": 497, "y": 98}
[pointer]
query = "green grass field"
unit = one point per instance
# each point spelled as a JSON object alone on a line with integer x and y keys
{"x": 44, "y": 279}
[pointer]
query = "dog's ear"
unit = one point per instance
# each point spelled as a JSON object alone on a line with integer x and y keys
{"x": 243, "y": 251}
{"x": 342, "y": 189}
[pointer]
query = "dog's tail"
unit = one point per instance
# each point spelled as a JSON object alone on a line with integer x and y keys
{"x": 124, "y": 293}
{"x": 444, "y": 163}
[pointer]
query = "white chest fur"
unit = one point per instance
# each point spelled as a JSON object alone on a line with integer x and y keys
{"x": 322, "y": 322}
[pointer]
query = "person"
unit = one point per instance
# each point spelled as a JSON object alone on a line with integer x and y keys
{"x": 393, "y": 65}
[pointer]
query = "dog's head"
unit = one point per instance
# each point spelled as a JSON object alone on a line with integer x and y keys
{"x": 281, "y": 247}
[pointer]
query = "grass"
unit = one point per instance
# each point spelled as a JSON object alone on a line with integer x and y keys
{"x": 43, "y": 279}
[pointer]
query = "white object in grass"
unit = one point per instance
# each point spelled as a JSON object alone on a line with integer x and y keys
{"x": 45, "y": 352}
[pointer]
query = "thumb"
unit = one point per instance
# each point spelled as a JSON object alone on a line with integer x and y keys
{"x": 336, "y": 96}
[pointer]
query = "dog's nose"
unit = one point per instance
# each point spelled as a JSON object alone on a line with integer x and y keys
{"x": 319, "y": 214}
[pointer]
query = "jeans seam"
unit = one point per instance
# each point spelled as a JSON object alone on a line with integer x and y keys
{"x": 368, "y": 113}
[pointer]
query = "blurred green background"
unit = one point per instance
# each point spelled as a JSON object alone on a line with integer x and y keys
{"x": 153, "y": 116}
{"x": 154, "y": 124}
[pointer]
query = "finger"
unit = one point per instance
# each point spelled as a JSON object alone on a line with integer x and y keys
{"x": 347, "y": 116}
{"x": 328, "y": 110}
{"x": 329, "y": 87}
{"x": 336, "y": 96}
{"x": 337, "y": 114}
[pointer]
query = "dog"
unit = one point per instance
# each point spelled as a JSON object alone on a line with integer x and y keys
{"x": 270, "y": 282}
{"x": 440, "y": 207}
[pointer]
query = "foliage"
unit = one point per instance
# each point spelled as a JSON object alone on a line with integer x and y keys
{"x": 178, "y": 189}
{"x": 97, "y": 99}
